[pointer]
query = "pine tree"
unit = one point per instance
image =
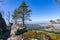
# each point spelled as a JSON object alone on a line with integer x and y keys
{"x": 53, "y": 21}
{"x": 58, "y": 1}
{"x": 23, "y": 13}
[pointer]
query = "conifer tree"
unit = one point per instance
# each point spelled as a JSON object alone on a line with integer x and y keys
{"x": 23, "y": 13}
{"x": 57, "y": 1}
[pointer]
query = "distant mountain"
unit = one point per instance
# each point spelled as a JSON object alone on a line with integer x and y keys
{"x": 44, "y": 22}
{"x": 37, "y": 24}
{"x": 34, "y": 27}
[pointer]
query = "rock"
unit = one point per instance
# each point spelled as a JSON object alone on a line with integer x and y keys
{"x": 15, "y": 38}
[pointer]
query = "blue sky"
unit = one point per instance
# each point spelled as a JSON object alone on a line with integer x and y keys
{"x": 42, "y": 10}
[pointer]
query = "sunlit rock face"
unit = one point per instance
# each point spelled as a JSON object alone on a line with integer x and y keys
{"x": 49, "y": 28}
{"x": 56, "y": 26}
{"x": 14, "y": 28}
{"x": 15, "y": 38}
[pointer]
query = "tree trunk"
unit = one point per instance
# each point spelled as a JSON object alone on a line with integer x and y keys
{"x": 23, "y": 17}
{"x": 23, "y": 20}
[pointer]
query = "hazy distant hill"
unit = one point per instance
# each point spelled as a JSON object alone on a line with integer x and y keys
{"x": 34, "y": 26}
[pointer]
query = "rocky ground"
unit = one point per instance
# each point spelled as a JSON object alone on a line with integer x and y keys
{"x": 15, "y": 38}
